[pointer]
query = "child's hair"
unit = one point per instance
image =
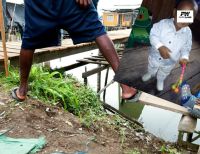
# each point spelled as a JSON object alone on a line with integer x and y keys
{"x": 192, "y": 2}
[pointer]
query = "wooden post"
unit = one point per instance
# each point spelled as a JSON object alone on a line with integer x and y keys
{"x": 85, "y": 78}
{"x": 47, "y": 64}
{"x": 3, "y": 37}
{"x": 99, "y": 78}
{"x": 187, "y": 125}
{"x": 198, "y": 151}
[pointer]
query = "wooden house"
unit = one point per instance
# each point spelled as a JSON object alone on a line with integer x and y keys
{"x": 116, "y": 19}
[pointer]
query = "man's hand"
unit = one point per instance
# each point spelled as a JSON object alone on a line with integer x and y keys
{"x": 84, "y": 3}
{"x": 164, "y": 52}
{"x": 183, "y": 61}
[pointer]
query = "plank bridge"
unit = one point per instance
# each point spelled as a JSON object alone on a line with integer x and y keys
{"x": 67, "y": 48}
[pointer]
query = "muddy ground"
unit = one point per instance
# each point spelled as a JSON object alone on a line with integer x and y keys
{"x": 64, "y": 131}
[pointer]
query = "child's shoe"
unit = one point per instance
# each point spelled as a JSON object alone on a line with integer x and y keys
{"x": 160, "y": 85}
{"x": 146, "y": 77}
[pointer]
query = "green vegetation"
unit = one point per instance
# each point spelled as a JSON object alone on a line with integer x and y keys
{"x": 135, "y": 151}
{"x": 54, "y": 88}
{"x": 168, "y": 150}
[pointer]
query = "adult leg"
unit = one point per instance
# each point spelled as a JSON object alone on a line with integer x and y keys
{"x": 107, "y": 49}
{"x": 26, "y": 58}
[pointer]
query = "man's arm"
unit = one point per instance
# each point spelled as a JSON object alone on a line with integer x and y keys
{"x": 84, "y": 3}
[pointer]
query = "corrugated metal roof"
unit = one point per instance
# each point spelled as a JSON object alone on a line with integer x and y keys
{"x": 16, "y": 1}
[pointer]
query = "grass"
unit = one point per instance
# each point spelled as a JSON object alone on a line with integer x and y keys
{"x": 168, "y": 150}
{"x": 54, "y": 88}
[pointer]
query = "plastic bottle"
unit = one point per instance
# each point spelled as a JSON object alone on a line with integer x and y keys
{"x": 187, "y": 99}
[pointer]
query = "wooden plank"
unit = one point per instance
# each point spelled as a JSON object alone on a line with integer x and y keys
{"x": 94, "y": 58}
{"x": 70, "y": 67}
{"x": 12, "y": 50}
{"x": 187, "y": 124}
{"x": 92, "y": 62}
{"x": 10, "y": 54}
{"x": 134, "y": 63}
{"x": 93, "y": 71}
{"x": 67, "y": 48}
{"x": 151, "y": 100}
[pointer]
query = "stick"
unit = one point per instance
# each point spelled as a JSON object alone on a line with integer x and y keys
{"x": 3, "y": 38}
{"x": 111, "y": 82}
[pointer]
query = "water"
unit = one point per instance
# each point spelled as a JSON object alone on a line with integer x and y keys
{"x": 161, "y": 123}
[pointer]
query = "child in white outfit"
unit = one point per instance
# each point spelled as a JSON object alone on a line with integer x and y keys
{"x": 170, "y": 42}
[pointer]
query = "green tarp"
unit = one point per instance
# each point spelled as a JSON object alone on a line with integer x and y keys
{"x": 20, "y": 146}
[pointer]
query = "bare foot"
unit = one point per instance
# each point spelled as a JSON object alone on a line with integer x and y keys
{"x": 22, "y": 97}
{"x": 22, "y": 91}
{"x": 127, "y": 92}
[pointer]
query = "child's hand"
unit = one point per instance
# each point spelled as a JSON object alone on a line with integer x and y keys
{"x": 197, "y": 101}
{"x": 84, "y": 3}
{"x": 183, "y": 61}
{"x": 164, "y": 52}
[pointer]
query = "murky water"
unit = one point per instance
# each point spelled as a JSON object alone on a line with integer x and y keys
{"x": 161, "y": 123}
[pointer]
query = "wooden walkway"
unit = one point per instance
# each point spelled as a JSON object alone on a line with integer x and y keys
{"x": 67, "y": 48}
{"x": 134, "y": 65}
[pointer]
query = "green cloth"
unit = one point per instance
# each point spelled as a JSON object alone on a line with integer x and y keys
{"x": 20, "y": 146}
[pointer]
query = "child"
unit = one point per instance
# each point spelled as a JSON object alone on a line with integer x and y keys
{"x": 170, "y": 42}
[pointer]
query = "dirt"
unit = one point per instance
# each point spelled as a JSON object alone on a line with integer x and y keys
{"x": 64, "y": 132}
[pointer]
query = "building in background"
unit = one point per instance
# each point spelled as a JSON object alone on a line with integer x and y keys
{"x": 119, "y": 18}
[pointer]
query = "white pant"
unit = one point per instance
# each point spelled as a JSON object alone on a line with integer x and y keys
{"x": 159, "y": 66}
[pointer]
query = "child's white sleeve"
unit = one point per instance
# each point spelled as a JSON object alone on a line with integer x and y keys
{"x": 185, "y": 50}
{"x": 155, "y": 34}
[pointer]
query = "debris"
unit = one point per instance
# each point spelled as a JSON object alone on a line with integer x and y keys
{"x": 2, "y": 114}
{"x": 49, "y": 112}
{"x": 51, "y": 130}
{"x": 1, "y": 103}
{"x": 69, "y": 123}
{"x": 21, "y": 108}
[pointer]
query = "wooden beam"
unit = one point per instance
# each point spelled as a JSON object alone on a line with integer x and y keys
{"x": 148, "y": 99}
{"x": 93, "y": 58}
{"x": 47, "y": 54}
{"x": 92, "y": 62}
{"x": 113, "y": 110}
{"x": 187, "y": 124}
{"x": 69, "y": 67}
{"x": 93, "y": 71}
